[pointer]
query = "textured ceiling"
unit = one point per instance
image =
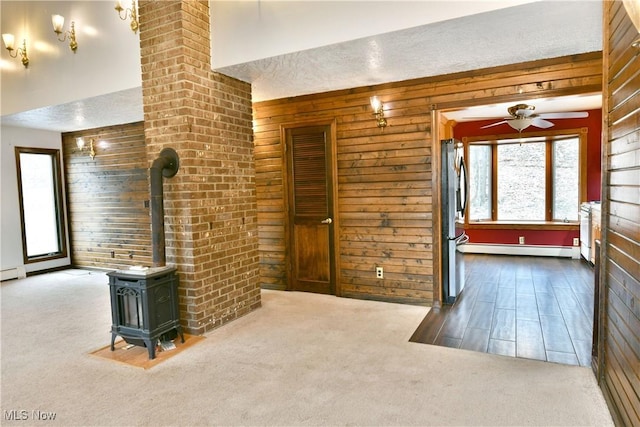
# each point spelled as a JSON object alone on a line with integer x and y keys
{"x": 506, "y": 36}
{"x": 105, "y": 110}
{"x": 528, "y": 32}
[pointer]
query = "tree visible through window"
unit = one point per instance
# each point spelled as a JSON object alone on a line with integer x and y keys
{"x": 527, "y": 179}
{"x": 480, "y": 182}
{"x": 566, "y": 178}
{"x": 40, "y": 193}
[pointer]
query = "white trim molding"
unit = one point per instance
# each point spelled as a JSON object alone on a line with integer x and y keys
{"x": 534, "y": 250}
{"x": 13, "y": 273}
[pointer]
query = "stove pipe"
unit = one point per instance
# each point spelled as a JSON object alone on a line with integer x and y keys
{"x": 164, "y": 166}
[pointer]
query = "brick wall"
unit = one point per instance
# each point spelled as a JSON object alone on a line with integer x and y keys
{"x": 210, "y": 205}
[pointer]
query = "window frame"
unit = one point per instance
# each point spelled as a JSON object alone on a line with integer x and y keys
{"x": 55, "y": 156}
{"x": 549, "y": 137}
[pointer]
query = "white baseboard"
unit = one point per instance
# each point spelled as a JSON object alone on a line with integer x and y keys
{"x": 533, "y": 250}
{"x": 13, "y": 273}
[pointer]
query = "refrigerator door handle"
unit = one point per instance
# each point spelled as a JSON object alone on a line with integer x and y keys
{"x": 463, "y": 166}
{"x": 463, "y": 187}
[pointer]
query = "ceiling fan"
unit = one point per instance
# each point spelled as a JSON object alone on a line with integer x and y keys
{"x": 523, "y": 116}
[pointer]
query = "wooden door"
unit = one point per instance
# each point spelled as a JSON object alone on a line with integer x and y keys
{"x": 310, "y": 203}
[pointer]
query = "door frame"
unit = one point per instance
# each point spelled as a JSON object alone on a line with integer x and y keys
{"x": 332, "y": 173}
{"x": 441, "y": 128}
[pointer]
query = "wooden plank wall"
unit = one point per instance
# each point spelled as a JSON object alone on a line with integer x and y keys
{"x": 621, "y": 222}
{"x": 385, "y": 195}
{"x": 110, "y": 227}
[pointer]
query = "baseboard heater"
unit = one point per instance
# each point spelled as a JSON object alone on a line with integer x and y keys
{"x": 532, "y": 250}
{"x": 13, "y": 273}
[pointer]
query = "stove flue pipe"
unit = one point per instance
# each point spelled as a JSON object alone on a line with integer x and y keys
{"x": 164, "y": 166}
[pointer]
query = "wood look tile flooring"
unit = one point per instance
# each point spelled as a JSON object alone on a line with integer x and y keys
{"x": 530, "y": 307}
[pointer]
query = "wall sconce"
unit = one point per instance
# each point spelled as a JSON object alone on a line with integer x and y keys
{"x": 633, "y": 9}
{"x": 80, "y": 144}
{"x": 9, "y": 42}
{"x": 378, "y": 111}
{"x": 129, "y": 12}
{"x": 58, "y": 23}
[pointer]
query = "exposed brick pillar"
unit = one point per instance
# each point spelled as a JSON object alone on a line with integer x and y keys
{"x": 210, "y": 205}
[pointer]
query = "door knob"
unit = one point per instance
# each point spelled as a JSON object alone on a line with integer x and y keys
{"x": 327, "y": 221}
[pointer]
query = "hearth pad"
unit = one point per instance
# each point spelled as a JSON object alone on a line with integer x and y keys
{"x": 139, "y": 357}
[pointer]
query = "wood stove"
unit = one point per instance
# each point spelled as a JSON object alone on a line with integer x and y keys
{"x": 144, "y": 302}
{"x": 144, "y": 306}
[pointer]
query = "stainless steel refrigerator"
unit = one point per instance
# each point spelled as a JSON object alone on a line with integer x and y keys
{"x": 454, "y": 189}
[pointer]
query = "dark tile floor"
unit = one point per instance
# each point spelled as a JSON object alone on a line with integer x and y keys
{"x": 531, "y": 307}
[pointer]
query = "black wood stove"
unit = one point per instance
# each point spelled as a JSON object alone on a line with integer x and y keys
{"x": 144, "y": 302}
{"x": 144, "y": 306}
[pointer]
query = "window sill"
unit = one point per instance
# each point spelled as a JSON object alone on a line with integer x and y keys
{"x": 533, "y": 225}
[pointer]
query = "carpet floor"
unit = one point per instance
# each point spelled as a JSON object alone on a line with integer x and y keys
{"x": 301, "y": 359}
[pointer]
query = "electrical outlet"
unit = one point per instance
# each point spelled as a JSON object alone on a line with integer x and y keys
{"x": 576, "y": 241}
{"x": 521, "y": 240}
{"x": 379, "y": 273}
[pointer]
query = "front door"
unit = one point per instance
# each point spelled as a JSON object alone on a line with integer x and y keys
{"x": 310, "y": 204}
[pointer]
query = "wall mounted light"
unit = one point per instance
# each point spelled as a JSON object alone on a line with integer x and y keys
{"x": 9, "y": 43}
{"x": 58, "y": 23}
{"x": 633, "y": 9}
{"x": 378, "y": 112}
{"x": 81, "y": 144}
{"x": 129, "y": 12}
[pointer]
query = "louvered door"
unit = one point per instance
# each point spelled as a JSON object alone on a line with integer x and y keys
{"x": 310, "y": 209}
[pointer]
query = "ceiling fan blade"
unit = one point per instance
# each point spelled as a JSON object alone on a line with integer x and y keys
{"x": 474, "y": 118}
{"x": 494, "y": 124}
{"x": 566, "y": 115}
{"x": 541, "y": 123}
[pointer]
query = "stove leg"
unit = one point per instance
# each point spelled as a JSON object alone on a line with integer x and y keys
{"x": 179, "y": 329}
{"x": 113, "y": 340}
{"x": 151, "y": 347}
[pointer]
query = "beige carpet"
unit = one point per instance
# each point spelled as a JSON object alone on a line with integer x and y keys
{"x": 301, "y": 359}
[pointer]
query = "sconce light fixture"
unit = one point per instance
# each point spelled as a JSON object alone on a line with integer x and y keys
{"x": 80, "y": 144}
{"x": 129, "y": 12}
{"x": 378, "y": 111}
{"x": 9, "y": 42}
{"x": 58, "y": 23}
{"x": 633, "y": 9}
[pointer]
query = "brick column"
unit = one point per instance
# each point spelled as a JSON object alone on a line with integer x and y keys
{"x": 210, "y": 205}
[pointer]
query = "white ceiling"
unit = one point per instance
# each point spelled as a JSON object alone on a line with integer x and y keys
{"x": 592, "y": 101}
{"x": 526, "y": 32}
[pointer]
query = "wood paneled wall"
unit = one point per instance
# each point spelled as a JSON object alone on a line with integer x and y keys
{"x": 386, "y": 201}
{"x": 110, "y": 226}
{"x": 621, "y": 217}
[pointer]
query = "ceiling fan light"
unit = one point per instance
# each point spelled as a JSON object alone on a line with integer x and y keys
{"x": 520, "y": 124}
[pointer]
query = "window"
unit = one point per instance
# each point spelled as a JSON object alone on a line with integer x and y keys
{"x": 40, "y": 193}
{"x": 566, "y": 178}
{"x": 521, "y": 182}
{"x": 533, "y": 179}
{"x": 480, "y": 182}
